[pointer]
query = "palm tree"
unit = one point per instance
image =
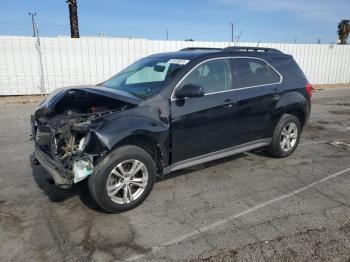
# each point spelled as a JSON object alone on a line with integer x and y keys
{"x": 73, "y": 17}
{"x": 343, "y": 31}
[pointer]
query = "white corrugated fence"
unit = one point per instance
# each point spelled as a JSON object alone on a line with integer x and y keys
{"x": 90, "y": 60}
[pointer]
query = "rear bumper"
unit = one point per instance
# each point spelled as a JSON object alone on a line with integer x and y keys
{"x": 62, "y": 177}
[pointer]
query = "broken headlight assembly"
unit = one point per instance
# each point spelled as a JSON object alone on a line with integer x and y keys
{"x": 68, "y": 144}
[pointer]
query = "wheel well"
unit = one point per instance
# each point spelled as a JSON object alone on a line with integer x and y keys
{"x": 146, "y": 143}
{"x": 299, "y": 114}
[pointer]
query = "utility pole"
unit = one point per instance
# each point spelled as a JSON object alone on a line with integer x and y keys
{"x": 38, "y": 47}
{"x": 73, "y": 17}
{"x": 167, "y": 34}
{"x": 232, "y": 25}
{"x": 33, "y": 23}
{"x": 295, "y": 39}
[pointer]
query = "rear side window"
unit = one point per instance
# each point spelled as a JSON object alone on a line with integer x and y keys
{"x": 289, "y": 65}
{"x": 213, "y": 76}
{"x": 248, "y": 72}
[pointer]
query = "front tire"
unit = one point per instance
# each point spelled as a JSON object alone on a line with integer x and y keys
{"x": 286, "y": 136}
{"x": 123, "y": 179}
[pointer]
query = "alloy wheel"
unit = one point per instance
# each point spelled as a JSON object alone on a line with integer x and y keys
{"x": 127, "y": 181}
{"x": 289, "y": 136}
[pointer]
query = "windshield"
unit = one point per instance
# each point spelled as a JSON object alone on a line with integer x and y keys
{"x": 146, "y": 77}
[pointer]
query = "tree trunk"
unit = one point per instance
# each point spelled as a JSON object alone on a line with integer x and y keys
{"x": 73, "y": 17}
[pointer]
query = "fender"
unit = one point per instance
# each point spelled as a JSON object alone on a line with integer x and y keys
{"x": 292, "y": 100}
{"x": 111, "y": 130}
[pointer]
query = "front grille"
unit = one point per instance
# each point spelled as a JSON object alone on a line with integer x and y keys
{"x": 44, "y": 129}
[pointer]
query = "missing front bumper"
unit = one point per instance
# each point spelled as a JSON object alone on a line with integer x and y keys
{"x": 61, "y": 176}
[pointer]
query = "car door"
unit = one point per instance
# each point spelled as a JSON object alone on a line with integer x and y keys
{"x": 257, "y": 85}
{"x": 200, "y": 125}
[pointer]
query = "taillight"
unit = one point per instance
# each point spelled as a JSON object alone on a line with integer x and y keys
{"x": 309, "y": 90}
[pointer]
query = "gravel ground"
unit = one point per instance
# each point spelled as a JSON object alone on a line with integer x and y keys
{"x": 247, "y": 207}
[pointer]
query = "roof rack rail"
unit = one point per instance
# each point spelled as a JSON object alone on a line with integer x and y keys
{"x": 200, "y": 48}
{"x": 251, "y": 48}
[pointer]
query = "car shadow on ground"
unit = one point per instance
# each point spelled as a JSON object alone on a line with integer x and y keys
{"x": 56, "y": 194}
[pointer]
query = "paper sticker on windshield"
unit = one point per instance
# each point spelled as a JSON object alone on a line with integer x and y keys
{"x": 178, "y": 61}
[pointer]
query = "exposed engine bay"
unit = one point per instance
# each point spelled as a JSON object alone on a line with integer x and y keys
{"x": 61, "y": 134}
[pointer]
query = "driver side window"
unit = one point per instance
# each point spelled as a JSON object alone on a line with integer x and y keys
{"x": 213, "y": 76}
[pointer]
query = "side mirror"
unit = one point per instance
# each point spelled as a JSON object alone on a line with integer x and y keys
{"x": 189, "y": 91}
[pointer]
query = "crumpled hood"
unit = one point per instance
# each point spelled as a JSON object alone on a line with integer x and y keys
{"x": 49, "y": 103}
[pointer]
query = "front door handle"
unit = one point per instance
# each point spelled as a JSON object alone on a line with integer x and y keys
{"x": 276, "y": 96}
{"x": 229, "y": 103}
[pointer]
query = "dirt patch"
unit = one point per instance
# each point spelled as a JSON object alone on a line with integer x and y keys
{"x": 9, "y": 220}
{"x": 328, "y": 86}
{"x": 340, "y": 112}
{"x": 312, "y": 245}
{"x": 343, "y": 104}
{"x": 314, "y": 128}
{"x": 20, "y": 99}
{"x": 340, "y": 144}
{"x": 323, "y": 122}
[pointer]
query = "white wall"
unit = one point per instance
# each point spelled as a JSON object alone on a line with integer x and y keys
{"x": 91, "y": 60}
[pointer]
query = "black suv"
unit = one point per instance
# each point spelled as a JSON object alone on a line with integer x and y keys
{"x": 167, "y": 112}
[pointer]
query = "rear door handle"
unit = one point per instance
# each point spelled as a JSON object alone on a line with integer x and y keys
{"x": 276, "y": 93}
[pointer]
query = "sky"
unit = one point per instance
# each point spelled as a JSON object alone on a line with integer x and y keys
{"x": 303, "y": 21}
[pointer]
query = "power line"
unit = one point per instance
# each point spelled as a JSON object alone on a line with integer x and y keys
{"x": 238, "y": 37}
{"x": 54, "y": 24}
{"x": 14, "y": 22}
{"x": 204, "y": 33}
{"x": 65, "y": 26}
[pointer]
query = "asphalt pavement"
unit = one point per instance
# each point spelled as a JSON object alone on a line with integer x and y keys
{"x": 246, "y": 207}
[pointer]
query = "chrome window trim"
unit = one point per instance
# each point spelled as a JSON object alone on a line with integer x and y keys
{"x": 173, "y": 98}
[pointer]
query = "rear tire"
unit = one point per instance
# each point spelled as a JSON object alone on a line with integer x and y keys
{"x": 123, "y": 179}
{"x": 285, "y": 137}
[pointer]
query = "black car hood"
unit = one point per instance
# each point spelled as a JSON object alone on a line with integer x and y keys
{"x": 49, "y": 103}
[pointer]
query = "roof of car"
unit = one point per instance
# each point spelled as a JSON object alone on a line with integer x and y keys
{"x": 185, "y": 54}
{"x": 193, "y": 52}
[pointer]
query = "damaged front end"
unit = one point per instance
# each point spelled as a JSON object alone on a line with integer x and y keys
{"x": 63, "y": 130}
